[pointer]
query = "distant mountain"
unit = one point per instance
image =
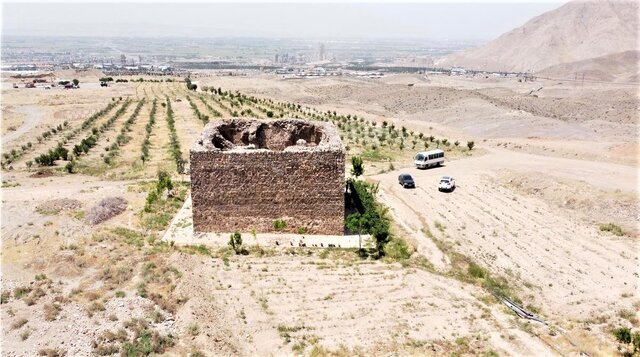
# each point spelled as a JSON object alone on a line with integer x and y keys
{"x": 574, "y": 32}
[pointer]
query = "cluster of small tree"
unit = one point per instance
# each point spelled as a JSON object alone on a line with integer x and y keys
{"x": 85, "y": 145}
{"x": 217, "y": 91}
{"x": 146, "y": 143}
{"x": 372, "y": 218}
{"x": 106, "y": 79}
{"x": 74, "y": 81}
{"x": 629, "y": 340}
{"x": 246, "y": 112}
{"x": 119, "y": 80}
{"x": 48, "y": 159}
{"x": 202, "y": 117}
{"x": 164, "y": 183}
{"x": 190, "y": 86}
{"x": 174, "y": 144}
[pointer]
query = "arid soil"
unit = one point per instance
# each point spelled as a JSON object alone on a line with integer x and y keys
{"x": 546, "y": 172}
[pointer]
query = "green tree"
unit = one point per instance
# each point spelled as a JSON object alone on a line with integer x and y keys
{"x": 354, "y": 223}
{"x": 235, "y": 241}
{"x": 70, "y": 166}
{"x": 357, "y": 168}
{"x": 76, "y": 82}
{"x": 470, "y": 145}
{"x": 164, "y": 182}
{"x": 622, "y": 334}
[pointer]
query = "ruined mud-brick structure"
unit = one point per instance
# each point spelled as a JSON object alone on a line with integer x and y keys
{"x": 248, "y": 173}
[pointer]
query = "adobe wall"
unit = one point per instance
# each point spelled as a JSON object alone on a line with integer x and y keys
{"x": 245, "y": 174}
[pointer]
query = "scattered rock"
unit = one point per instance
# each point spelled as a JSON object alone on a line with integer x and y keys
{"x": 58, "y": 205}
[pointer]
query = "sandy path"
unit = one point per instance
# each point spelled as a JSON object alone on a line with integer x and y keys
{"x": 188, "y": 126}
{"x": 32, "y": 119}
{"x": 565, "y": 262}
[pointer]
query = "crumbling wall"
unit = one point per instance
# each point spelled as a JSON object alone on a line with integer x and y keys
{"x": 247, "y": 173}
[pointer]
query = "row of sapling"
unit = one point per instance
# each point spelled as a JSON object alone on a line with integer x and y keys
{"x": 238, "y": 100}
{"x": 221, "y": 105}
{"x": 347, "y": 123}
{"x": 91, "y": 141}
{"x": 213, "y": 112}
{"x": 123, "y": 138}
{"x": 174, "y": 142}
{"x": 49, "y": 158}
{"x": 202, "y": 117}
{"x": 403, "y": 139}
{"x": 59, "y": 152}
{"x": 146, "y": 143}
{"x": 381, "y": 135}
{"x": 15, "y": 154}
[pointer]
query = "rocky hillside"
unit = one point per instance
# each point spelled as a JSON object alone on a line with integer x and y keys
{"x": 574, "y": 32}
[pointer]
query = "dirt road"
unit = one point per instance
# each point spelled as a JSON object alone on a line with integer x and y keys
{"x": 563, "y": 263}
{"x": 32, "y": 119}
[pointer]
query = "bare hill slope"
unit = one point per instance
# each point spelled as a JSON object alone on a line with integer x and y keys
{"x": 618, "y": 67}
{"x": 574, "y": 32}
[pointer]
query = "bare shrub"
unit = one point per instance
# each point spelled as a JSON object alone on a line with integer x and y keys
{"x": 19, "y": 323}
{"x": 106, "y": 209}
{"x": 51, "y": 311}
{"x": 50, "y": 352}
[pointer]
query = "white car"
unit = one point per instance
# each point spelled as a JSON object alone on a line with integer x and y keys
{"x": 447, "y": 183}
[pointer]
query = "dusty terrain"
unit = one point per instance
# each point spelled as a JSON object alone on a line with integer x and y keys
{"x": 546, "y": 172}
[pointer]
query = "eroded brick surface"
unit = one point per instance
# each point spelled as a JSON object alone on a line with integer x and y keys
{"x": 247, "y": 173}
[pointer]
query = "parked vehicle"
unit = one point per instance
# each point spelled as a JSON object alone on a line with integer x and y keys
{"x": 15, "y": 85}
{"x": 406, "y": 180}
{"x": 104, "y": 84}
{"x": 427, "y": 159}
{"x": 447, "y": 183}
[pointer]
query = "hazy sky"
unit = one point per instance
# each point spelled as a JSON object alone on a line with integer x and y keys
{"x": 453, "y": 21}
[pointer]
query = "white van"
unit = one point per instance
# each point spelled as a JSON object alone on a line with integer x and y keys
{"x": 426, "y": 159}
